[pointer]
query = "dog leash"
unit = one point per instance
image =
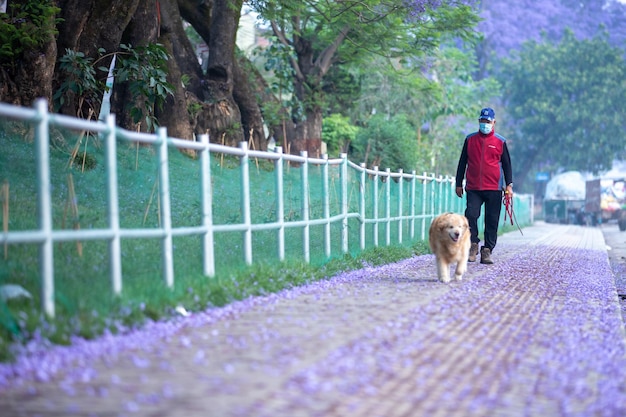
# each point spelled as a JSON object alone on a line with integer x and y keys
{"x": 507, "y": 200}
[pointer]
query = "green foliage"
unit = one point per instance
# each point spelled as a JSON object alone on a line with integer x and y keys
{"x": 437, "y": 94}
{"x": 26, "y": 26}
{"x": 338, "y": 133}
{"x": 79, "y": 81}
{"x": 452, "y": 108}
{"x": 387, "y": 143}
{"x": 342, "y": 89}
{"x": 144, "y": 68}
{"x": 317, "y": 37}
{"x": 279, "y": 74}
{"x": 567, "y": 100}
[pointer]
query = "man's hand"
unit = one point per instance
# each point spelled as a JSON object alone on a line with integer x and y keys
{"x": 459, "y": 191}
{"x": 509, "y": 190}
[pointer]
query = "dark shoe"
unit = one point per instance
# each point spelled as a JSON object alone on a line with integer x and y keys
{"x": 473, "y": 252}
{"x": 485, "y": 256}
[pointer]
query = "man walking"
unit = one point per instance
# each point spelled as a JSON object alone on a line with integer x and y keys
{"x": 483, "y": 163}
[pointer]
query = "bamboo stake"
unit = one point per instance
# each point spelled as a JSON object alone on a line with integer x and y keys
{"x": 75, "y": 150}
{"x": 5, "y": 214}
{"x": 77, "y": 146}
{"x": 145, "y": 215}
{"x": 71, "y": 204}
{"x": 85, "y": 154}
{"x": 74, "y": 206}
{"x": 251, "y": 142}
{"x": 137, "y": 151}
{"x": 222, "y": 156}
{"x": 86, "y": 142}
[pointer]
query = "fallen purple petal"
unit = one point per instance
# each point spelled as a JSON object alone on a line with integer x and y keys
{"x": 539, "y": 332}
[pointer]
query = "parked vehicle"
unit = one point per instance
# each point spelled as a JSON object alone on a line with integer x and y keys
{"x": 570, "y": 199}
{"x": 564, "y": 199}
{"x": 613, "y": 201}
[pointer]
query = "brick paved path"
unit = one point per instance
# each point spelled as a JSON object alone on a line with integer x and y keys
{"x": 538, "y": 333}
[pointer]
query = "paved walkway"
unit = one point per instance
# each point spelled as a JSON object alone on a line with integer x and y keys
{"x": 539, "y": 333}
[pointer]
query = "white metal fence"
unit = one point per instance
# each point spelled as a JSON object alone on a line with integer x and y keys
{"x": 45, "y": 235}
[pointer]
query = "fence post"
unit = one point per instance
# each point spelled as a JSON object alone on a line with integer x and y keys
{"x": 280, "y": 203}
{"x": 326, "y": 194}
{"x": 440, "y": 196}
{"x": 412, "y": 219}
{"x": 245, "y": 203}
{"x": 206, "y": 196}
{"x": 304, "y": 172}
{"x": 433, "y": 194}
{"x": 44, "y": 208}
{"x": 446, "y": 194}
{"x": 375, "y": 193}
{"x": 362, "y": 206}
{"x": 344, "y": 203}
{"x": 115, "y": 244}
{"x": 166, "y": 212}
{"x": 400, "y": 203}
{"x": 388, "y": 208}
{"x": 424, "y": 193}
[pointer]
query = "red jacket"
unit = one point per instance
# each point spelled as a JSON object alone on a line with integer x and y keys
{"x": 483, "y": 161}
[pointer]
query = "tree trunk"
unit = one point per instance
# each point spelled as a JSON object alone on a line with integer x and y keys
{"x": 198, "y": 15}
{"x": 33, "y": 78}
{"x": 175, "y": 115}
{"x": 309, "y": 73}
{"x": 182, "y": 49}
{"x": 101, "y": 25}
{"x": 220, "y": 116}
{"x": 250, "y": 90}
{"x": 89, "y": 26}
{"x": 30, "y": 74}
{"x": 308, "y": 131}
{"x": 251, "y": 117}
{"x": 309, "y": 134}
{"x": 142, "y": 30}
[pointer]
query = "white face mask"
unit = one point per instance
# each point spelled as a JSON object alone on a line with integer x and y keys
{"x": 485, "y": 128}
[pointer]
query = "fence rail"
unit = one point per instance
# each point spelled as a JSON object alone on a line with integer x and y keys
{"x": 408, "y": 216}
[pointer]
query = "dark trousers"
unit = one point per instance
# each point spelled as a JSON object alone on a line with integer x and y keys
{"x": 493, "y": 204}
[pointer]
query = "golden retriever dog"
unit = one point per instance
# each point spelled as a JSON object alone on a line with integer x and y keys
{"x": 449, "y": 239}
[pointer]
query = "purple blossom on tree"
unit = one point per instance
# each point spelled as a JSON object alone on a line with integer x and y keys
{"x": 507, "y": 24}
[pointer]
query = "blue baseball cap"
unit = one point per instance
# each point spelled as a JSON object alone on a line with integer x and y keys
{"x": 488, "y": 114}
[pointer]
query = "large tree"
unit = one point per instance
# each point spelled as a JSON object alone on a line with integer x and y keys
{"x": 225, "y": 100}
{"x": 322, "y": 34}
{"x": 222, "y": 101}
{"x": 567, "y": 101}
